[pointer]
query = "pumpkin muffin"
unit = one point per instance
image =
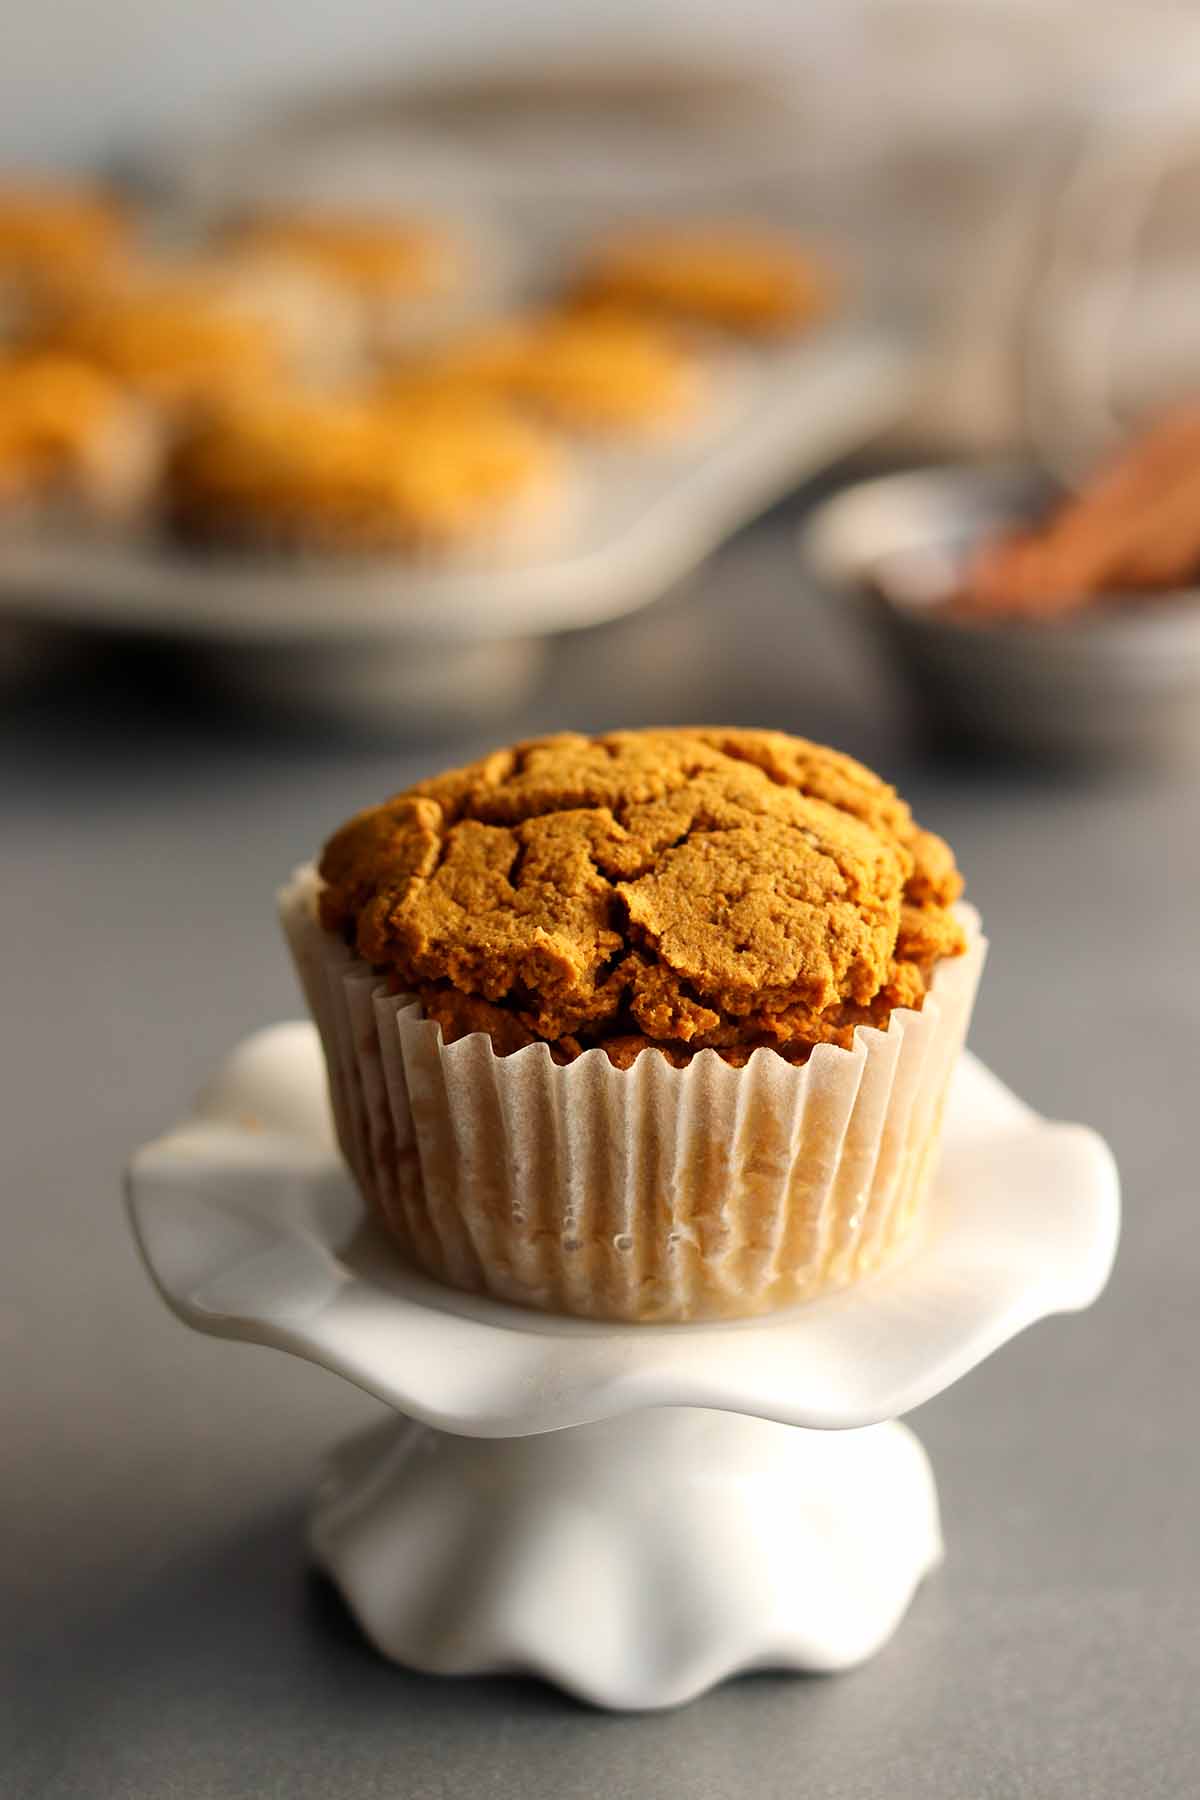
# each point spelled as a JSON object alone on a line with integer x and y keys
{"x": 379, "y": 257}
{"x": 55, "y": 236}
{"x": 605, "y": 375}
{"x": 396, "y": 269}
{"x": 652, "y": 1025}
{"x": 181, "y": 341}
{"x": 69, "y": 433}
{"x": 336, "y": 475}
{"x": 741, "y": 279}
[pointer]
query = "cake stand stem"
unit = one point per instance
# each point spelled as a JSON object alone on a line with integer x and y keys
{"x": 640, "y": 1558}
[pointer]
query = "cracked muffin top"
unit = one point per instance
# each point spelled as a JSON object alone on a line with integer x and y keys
{"x": 674, "y": 889}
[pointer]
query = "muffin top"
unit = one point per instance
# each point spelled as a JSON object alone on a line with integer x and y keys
{"x": 738, "y": 278}
{"x": 176, "y": 340}
{"x": 680, "y": 889}
{"x": 53, "y": 410}
{"x": 47, "y": 227}
{"x": 337, "y": 471}
{"x": 603, "y": 372}
{"x": 375, "y": 256}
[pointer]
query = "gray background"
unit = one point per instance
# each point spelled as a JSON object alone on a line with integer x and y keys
{"x": 161, "y": 1635}
{"x": 82, "y": 78}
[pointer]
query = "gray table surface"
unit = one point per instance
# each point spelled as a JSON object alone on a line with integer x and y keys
{"x": 161, "y": 1635}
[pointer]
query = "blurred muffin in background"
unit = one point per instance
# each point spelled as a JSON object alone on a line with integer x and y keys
{"x": 1134, "y": 530}
{"x": 70, "y": 434}
{"x": 608, "y": 375}
{"x": 332, "y": 474}
{"x": 177, "y": 344}
{"x": 396, "y": 269}
{"x": 188, "y": 334}
{"x": 53, "y": 237}
{"x": 316, "y": 321}
{"x": 737, "y": 278}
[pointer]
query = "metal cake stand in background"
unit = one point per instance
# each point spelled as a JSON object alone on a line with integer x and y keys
{"x": 632, "y": 1512}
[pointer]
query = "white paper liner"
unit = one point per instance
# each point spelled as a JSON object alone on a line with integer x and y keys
{"x": 648, "y": 1193}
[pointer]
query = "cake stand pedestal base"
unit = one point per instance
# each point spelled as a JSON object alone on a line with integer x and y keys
{"x": 635, "y": 1561}
{"x": 631, "y": 1511}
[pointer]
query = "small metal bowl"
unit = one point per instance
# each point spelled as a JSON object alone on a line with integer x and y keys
{"x": 1114, "y": 683}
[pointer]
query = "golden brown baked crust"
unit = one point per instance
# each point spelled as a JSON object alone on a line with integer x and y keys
{"x": 736, "y": 277}
{"x": 675, "y": 888}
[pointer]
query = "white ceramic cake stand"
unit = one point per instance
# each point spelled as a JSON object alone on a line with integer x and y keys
{"x": 633, "y": 1512}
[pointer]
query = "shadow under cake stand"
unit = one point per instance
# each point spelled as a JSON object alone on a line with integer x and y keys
{"x": 634, "y": 1512}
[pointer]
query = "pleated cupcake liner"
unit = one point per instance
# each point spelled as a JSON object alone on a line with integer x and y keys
{"x": 648, "y": 1193}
